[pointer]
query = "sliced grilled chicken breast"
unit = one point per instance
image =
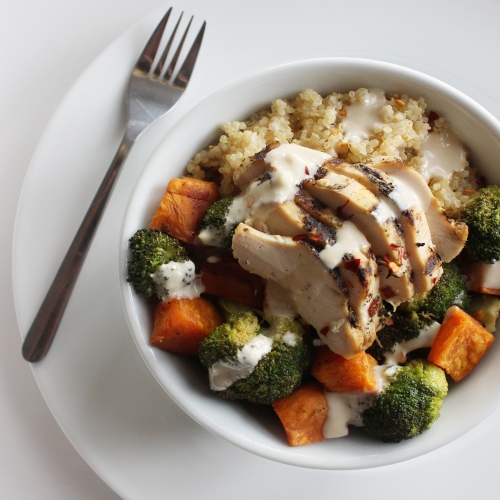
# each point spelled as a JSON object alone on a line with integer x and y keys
{"x": 257, "y": 167}
{"x": 354, "y": 262}
{"x": 316, "y": 292}
{"x": 447, "y": 235}
{"x": 375, "y": 220}
{"x": 425, "y": 262}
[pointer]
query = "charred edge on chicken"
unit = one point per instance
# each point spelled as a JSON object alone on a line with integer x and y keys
{"x": 432, "y": 262}
{"x": 318, "y": 231}
{"x": 261, "y": 155}
{"x": 376, "y": 177}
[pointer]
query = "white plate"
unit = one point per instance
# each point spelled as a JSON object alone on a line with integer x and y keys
{"x": 95, "y": 382}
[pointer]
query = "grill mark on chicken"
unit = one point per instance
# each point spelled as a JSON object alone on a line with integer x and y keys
{"x": 432, "y": 263}
{"x": 409, "y": 215}
{"x": 374, "y": 176}
{"x": 261, "y": 155}
{"x": 318, "y": 231}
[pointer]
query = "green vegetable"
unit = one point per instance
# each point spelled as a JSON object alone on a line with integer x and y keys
{"x": 404, "y": 327}
{"x": 449, "y": 291}
{"x": 482, "y": 215}
{"x": 277, "y": 374}
{"x": 409, "y": 404}
{"x": 416, "y": 314}
{"x": 216, "y": 218}
{"x": 150, "y": 249}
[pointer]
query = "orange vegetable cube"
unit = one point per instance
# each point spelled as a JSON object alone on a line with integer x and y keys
{"x": 338, "y": 374}
{"x": 303, "y": 414}
{"x": 182, "y": 207}
{"x": 181, "y": 324}
{"x": 226, "y": 278}
{"x": 460, "y": 344}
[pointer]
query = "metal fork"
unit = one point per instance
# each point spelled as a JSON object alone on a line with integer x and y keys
{"x": 149, "y": 96}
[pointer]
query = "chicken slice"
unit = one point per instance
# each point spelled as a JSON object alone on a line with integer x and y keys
{"x": 375, "y": 220}
{"x": 447, "y": 235}
{"x": 342, "y": 248}
{"x": 425, "y": 262}
{"x": 257, "y": 167}
{"x": 295, "y": 265}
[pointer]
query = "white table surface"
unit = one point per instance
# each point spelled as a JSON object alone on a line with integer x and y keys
{"x": 45, "y": 46}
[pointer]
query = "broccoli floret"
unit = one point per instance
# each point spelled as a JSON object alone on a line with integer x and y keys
{"x": 409, "y": 404}
{"x": 274, "y": 376}
{"x": 150, "y": 249}
{"x": 401, "y": 328}
{"x": 482, "y": 215}
{"x": 418, "y": 313}
{"x": 449, "y": 291}
{"x": 217, "y": 230}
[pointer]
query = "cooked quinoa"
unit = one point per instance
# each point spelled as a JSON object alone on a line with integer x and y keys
{"x": 313, "y": 121}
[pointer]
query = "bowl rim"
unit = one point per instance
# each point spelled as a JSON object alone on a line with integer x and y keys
{"x": 290, "y": 456}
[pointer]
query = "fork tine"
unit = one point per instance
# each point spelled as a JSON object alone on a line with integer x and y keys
{"x": 143, "y": 66}
{"x": 186, "y": 70}
{"x": 161, "y": 63}
{"x": 173, "y": 62}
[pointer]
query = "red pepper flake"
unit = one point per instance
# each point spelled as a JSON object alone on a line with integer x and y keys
{"x": 352, "y": 265}
{"x": 299, "y": 237}
{"x": 400, "y": 256}
{"x": 388, "y": 322}
{"x": 348, "y": 285}
{"x": 324, "y": 330}
{"x": 342, "y": 112}
{"x": 316, "y": 237}
{"x": 435, "y": 280}
{"x": 372, "y": 310}
{"x": 387, "y": 292}
{"x": 406, "y": 255}
{"x": 433, "y": 116}
{"x": 307, "y": 170}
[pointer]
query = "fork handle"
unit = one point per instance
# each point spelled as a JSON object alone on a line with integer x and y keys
{"x": 43, "y": 329}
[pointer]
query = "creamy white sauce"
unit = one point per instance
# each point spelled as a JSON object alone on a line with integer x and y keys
{"x": 289, "y": 339}
{"x": 223, "y": 374}
{"x": 364, "y": 118}
{"x": 291, "y": 164}
{"x": 486, "y": 275}
{"x": 213, "y": 236}
{"x": 383, "y": 212}
{"x": 344, "y": 409}
{"x": 403, "y": 196}
{"x": 177, "y": 280}
{"x": 443, "y": 154}
{"x": 425, "y": 338}
{"x": 408, "y": 192}
{"x": 383, "y": 373}
{"x": 349, "y": 239}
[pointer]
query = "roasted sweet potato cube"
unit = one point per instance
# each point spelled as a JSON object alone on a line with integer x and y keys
{"x": 182, "y": 207}
{"x": 194, "y": 188}
{"x": 226, "y": 278}
{"x": 338, "y": 374}
{"x": 181, "y": 324}
{"x": 460, "y": 344}
{"x": 303, "y": 414}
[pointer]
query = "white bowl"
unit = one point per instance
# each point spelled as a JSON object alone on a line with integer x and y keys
{"x": 258, "y": 429}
